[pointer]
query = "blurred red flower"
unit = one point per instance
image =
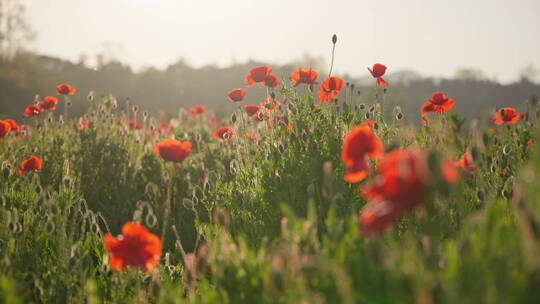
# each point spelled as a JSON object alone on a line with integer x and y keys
{"x": 49, "y": 103}
{"x": 236, "y": 95}
{"x": 30, "y": 164}
{"x": 530, "y": 143}
{"x": 136, "y": 247}
{"x": 466, "y": 163}
{"x": 401, "y": 185}
{"x": 173, "y": 150}
{"x": 5, "y": 128}
{"x": 82, "y": 124}
{"x": 301, "y": 75}
{"x": 330, "y": 89}
{"x": 65, "y": 89}
{"x": 449, "y": 171}
{"x": 224, "y": 133}
{"x": 135, "y": 125}
{"x": 14, "y": 126}
{"x": 378, "y": 71}
{"x": 258, "y": 74}
{"x": 251, "y": 109}
{"x": 32, "y": 110}
{"x": 198, "y": 110}
{"x": 506, "y": 115}
{"x": 271, "y": 81}
{"x": 359, "y": 144}
{"x": 438, "y": 103}
{"x": 269, "y": 105}
{"x": 251, "y": 136}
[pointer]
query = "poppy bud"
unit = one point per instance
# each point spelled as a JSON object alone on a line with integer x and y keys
{"x": 135, "y": 109}
{"x": 50, "y": 119}
{"x": 372, "y": 109}
{"x": 91, "y": 96}
{"x": 399, "y": 116}
{"x": 145, "y": 114}
{"x": 67, "y": 180}
{"x": 334, "y": 39}
{"x": 367, "y": 116}
{"x": 358, "y": 92}
{"x": 362, "y": 106}
{"x": 347, "y": 84}
{"x": 273, "y": 95}
{"x": 281, "y": 148}
{"x": 506, "y": 150}
{"x": 376, "y": 126}
{"x": 385, "y": 90}
{"x": 480, "y": 194}
{"x": 233, "y": 118}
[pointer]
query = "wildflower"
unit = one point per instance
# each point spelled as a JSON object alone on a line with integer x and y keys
{"x": 271, "y": 81}
{"x": 135, "y": 247}
{"x": 251, "y": 136}
{"x": 438, "y": 103}
{"x": 377, "y": 72}
{"x": 236, "y": 95}
{"x": 30, "y": 164}
{"x": 506, "y": 115}
{"x": 49, "y": 103}
{"x": 14, "y": 126}
{"x": 5, "y": 128}
{"x": 82, "y": 124}
{"x": 32, "y": 110}
{"x": 330, "y": 89}
{"x": 198, "y": 110}
{"x": 449, "y": 172}
{"x": 260, "y": 116}
{"x": 301, "y": 75}
{"x": 65, "y": 89}
{"x": 359, "y": 144}
{"x": 251, "y": 109}
{"x": 270, "y": 105}
{"x": 530, "y": 143}
{"x": 224, "y": 133}
{"x": 258, "y": 74}
{"x": 135, "y": 125}
{"x": 173, "y": 150}
{"x": 164, "y": 128}
{"x": 400, "y": 186}
{"x": 465, "y": 162}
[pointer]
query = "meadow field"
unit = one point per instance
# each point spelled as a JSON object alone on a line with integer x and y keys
{"x": 316, "y": 194}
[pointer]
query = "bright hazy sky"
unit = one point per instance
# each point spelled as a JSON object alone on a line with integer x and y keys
{"x": 433, "y": 37}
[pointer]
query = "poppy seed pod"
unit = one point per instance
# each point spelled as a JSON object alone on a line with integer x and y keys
{"x": 334, "y": 39}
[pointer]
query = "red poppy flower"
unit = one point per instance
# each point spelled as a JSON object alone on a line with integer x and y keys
{"x": 251, "y": 109}
{"x": 316, "y": 107}
{"x": 135, "y": 125}
{"x": 359, "y": 144}
{"x": 377, "y": 72}
{"x": 438, "y": 103}
{"x": 164, "y": 128}
{"x": 173, "y": 150}
{"x": 136, "y": 247}
{"x": 330, "y": 89}
{"x": 31, "y": 164}
{"x": 32, "y": 110}
{"x": 530, "y": 143}
{"x": 258, "y": 74}
{"x": 14, "y": 126}
{"x": 236, "y": 95}
{"x": 401, "y": 185}
{"x": 506, "y": 115}
{"x": 49, "y": 103}
{"x": 301, "y": 75}
{"x": 65, "y": 89}
{"x": 260, "y": 116}
{"x": 224, "y": 133}
{"x": 449, "y": 171}
{"x": 270, "y": 106}
{"x": 465, "y": 162}
{"x": 82, "y": 124}
{"x": 198, "y": 110}
{"x": 288, "y": 127}
{"x": 271, "y": 81}
{"x": 251, "y": 136}
{"x": 374, "y": 219}
{"x": 5, "y": 128}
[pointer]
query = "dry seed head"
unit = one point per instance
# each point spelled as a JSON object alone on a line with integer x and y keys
{"x": 334, "y": 39}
